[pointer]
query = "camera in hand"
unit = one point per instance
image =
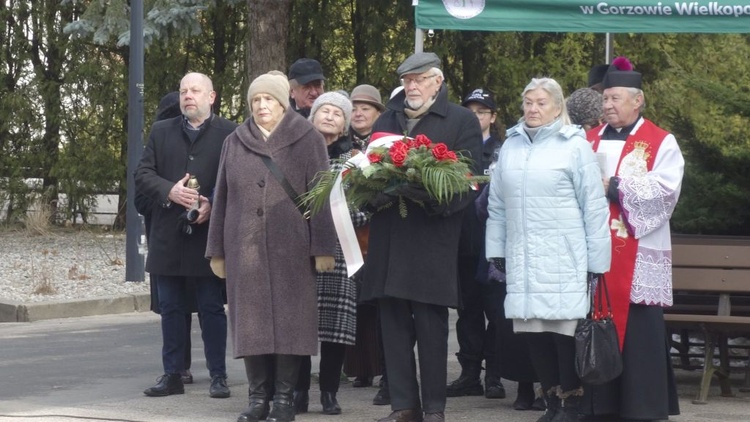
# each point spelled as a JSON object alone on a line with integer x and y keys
{"x": 190, "y": 216}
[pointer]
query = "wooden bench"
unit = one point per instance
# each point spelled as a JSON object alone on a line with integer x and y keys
{"x": 711, "y": 283}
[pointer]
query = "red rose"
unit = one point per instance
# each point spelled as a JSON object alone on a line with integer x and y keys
{"x": 374, "y": 157}
{"x": 421, "y": 140}
{"x": 452, "y": 156}
{"x": 398, "y": 157}
{"x": 398, "y": 152}
{"x": 440, "y": 151}
{"x": 400, "y": 146}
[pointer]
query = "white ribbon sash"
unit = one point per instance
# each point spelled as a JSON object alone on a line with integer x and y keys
{"x": 340, "y": 209}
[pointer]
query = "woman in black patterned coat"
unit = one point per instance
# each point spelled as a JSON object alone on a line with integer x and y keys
{"x": 337, "y": 293}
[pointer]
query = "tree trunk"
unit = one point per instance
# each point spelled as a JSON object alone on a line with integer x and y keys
{"x": 268, "y": 21}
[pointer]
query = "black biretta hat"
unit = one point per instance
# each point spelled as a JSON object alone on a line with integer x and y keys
{"x": 621, "y": 73}
{"x": 624, "y": 78}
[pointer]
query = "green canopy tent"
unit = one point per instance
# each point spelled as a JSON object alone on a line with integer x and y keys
{"x": 612, "y": 16}
{"x": 617, "y": 16}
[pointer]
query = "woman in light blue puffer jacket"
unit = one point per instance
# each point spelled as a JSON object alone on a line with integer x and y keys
{"x": 548, "y": 223}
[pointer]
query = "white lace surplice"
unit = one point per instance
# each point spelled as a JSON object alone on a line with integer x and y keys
{"x": 648, "y": 199}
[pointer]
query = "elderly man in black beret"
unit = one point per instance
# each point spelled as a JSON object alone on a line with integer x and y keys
{"x": 412, "y": 262}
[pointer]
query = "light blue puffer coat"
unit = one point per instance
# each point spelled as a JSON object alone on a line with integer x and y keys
{"x": 548, "y": 218}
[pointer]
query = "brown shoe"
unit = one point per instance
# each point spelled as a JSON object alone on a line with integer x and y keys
{"x": 434, "y": 417}
{"x": 405, "y": 415}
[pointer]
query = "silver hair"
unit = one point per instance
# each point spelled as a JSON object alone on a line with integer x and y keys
{"x": 554, "y": 90}
{"x": 634, "y": 92}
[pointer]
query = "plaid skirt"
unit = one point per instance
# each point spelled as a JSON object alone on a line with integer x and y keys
{"x": 337, "y": 304}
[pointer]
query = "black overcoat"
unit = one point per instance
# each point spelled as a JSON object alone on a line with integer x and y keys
{"x": 168, "y": 155}
{"x": 415, "y": 258}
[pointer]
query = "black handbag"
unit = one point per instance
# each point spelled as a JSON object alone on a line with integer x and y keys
{"x": 598, "y": 358}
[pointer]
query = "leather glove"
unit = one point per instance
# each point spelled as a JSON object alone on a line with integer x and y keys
{"x": 612, "y": 193}
{"x": 379, "y": 201}
{"x": 218, "y": 266}
{"x": 495, "y": 275}
{"x": 499, "y": 264}
{"x": 413, "y": 192}
{"x": 324, "y": 264}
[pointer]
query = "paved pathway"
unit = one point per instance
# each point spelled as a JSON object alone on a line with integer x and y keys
{"x": 96, "y": 367}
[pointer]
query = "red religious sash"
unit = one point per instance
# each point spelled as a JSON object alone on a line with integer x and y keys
{"x": 620, "y": 276}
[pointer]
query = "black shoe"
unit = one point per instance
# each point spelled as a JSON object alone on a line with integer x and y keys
{"x": 464, "y": 386}
{"x": 257, "y": 411}
{"x": 186, "y": 376}
{"x": 362, "y": 382}
{"x": 166, "y": 385}
{"x": 330, "y": 404}
{"x": 493, "y": 388}
{"x": 218, "y": 388}
{"x": 538, "y": 404}
{"x": 301, "y": 401}
{"x": 281, "y": 412}
{"x": 383, "y": 397}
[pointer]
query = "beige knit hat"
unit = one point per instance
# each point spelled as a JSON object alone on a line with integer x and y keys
{"x": 273, "y": 83}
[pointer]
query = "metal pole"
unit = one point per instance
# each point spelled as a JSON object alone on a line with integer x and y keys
{"x": 134, "y": 269}
{"x": 418, "y": 41}
{"x": 608, "y": 48}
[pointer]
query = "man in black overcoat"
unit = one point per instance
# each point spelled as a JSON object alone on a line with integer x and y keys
{"x": 181, "y": 149}
{"x": 412, "y": 268}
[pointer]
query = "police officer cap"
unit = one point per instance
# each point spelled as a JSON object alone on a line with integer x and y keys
{"x": 482, "y": 97}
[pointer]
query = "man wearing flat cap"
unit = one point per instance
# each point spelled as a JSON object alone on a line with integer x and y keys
{"x": 306, "y": 84}
{"x": 412, "y": 262}
{"x": 642, "y": 180}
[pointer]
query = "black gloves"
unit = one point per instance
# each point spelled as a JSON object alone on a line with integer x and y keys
{"x": 414, "y": 192}
{"x": 612, "y": 194}
{"x": 498, "y": 263}
{"x": 379, "y": 201}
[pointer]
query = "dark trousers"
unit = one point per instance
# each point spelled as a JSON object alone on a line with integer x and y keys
{"x": 405, "y": 323}
{"x": 470, "y": 326}
{"x": 213, "y": 322}
{"x": 188, "y": 342}
{"x": 553, "y": 357}
{"x": 331, "y": 362}
{"x": 477, "y": 341}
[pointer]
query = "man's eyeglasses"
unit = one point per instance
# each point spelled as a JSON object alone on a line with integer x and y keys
{"x": 419, "y": 80}
{"x": 482, "y": 112}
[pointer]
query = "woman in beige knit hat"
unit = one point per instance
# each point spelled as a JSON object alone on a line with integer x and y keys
{"x": 262, "y": 244}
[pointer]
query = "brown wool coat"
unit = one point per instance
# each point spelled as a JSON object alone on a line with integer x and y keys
{"x": 267, "y": 244}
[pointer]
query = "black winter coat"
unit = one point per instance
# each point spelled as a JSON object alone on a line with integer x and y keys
{"x": 416, "y": 258}
{"x": 169, "y": 154}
